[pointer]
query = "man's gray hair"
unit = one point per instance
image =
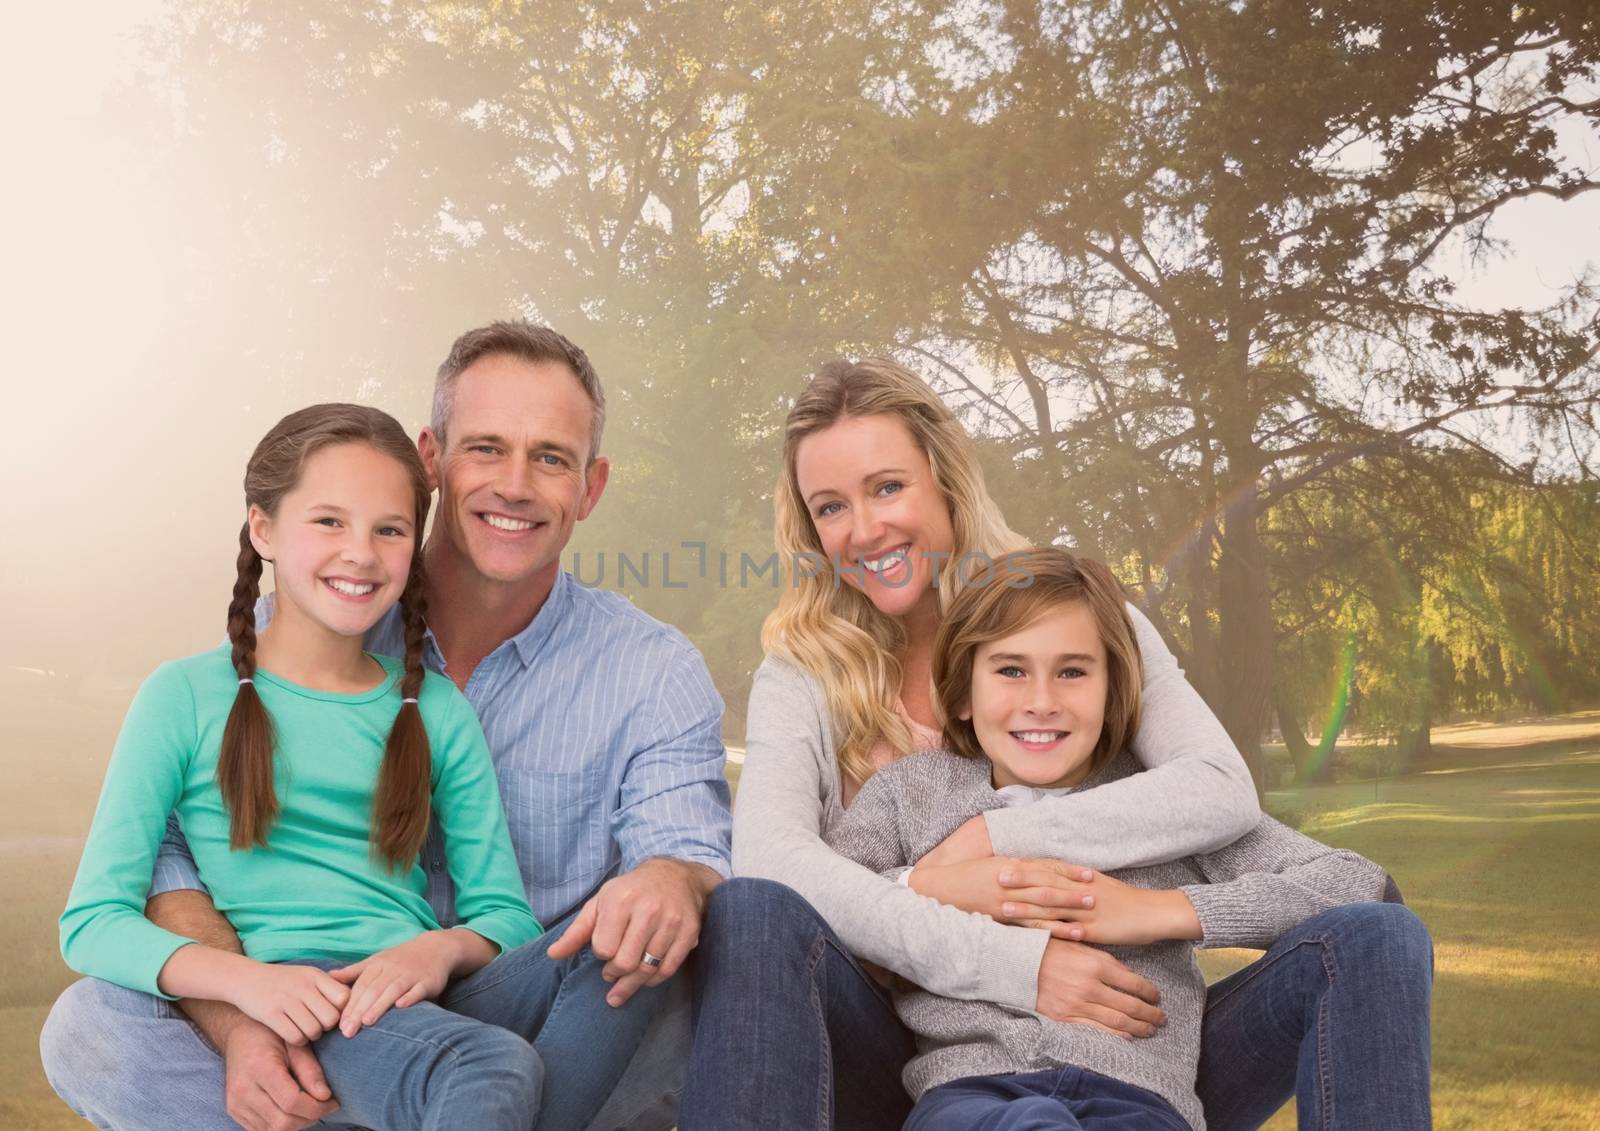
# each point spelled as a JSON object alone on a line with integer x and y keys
{"x": 528, "y": 342}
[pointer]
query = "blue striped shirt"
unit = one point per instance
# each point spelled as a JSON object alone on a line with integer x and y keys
{"x": 605, "y": 731}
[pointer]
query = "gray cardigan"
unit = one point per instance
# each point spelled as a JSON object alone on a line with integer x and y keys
{"x": 1246, "y": 894}
{"x": 1196, "y": 796}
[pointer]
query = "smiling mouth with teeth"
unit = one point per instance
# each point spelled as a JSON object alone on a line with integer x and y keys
{"x": 351, "y": 588}
{"x": 511, "y": 525}
{"x": 1038, "y": 736}
{"x": 889, "y": 560}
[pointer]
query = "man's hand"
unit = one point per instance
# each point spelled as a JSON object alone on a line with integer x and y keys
{"x": 1080, "y": 904}
{"x": 969, "y": 842}
{"x": 272, "y": 1086}
{"x": 1079, "y": 983}
{"x": 654, "y": 909}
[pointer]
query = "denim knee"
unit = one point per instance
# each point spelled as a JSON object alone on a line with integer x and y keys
{"x": 64, "y": 1031}
{"x": 1388, "y": 936}
{"x": 72, "y": 1044}
{"x": 96, "y": 1044}
{"x": 507, "y": 1057}
{"x": 746, "y": 911}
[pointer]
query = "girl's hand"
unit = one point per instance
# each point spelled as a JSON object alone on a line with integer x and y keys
{"x": 299, "y": 1003}
{"x": 403, "y": 975}
{"x": 1085, "y": 906}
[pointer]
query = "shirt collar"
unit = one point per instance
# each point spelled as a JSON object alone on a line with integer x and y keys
{"x": 551, "y": 613}
{"x": 1018, "y": 795}
{"x": 389, "y": 634}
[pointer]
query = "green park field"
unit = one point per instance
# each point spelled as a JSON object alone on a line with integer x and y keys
{"x": 1495, "y": 841}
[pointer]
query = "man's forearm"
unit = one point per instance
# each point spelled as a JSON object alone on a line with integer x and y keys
{"x": 193, "y": 915}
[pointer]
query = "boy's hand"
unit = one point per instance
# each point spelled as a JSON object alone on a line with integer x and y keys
{"x": 403, "y": 975}
{"x": 1082, "y": 905}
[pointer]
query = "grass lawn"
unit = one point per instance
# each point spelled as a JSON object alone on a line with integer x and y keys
{"x": 1495, "y": 842}
{"x": 1496, "y": 845}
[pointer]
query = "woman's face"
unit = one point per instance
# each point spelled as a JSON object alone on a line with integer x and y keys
{"x": 882, "y": 521}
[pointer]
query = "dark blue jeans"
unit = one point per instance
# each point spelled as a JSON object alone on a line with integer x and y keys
{"x": 791, "y": 1033}
{"x": 1057, "y": 1099}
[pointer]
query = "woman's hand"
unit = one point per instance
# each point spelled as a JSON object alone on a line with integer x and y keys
{"x": 1082, "y": 905}
{"x": 299, "y": 1003}
{"x": 403, "y": 975}
{"x": 987, "y": 884}
{"x": 1079, "y": 983}
{"x": 972, "y": 885}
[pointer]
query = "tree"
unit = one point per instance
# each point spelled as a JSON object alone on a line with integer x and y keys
{"x": 378, "y": 179}
{"x": 1180, "y": 263}
{"x": 1200, "y": 245}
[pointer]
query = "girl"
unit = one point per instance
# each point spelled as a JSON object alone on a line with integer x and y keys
{"x": 1036, "y": 681}
{"x": 304, "y": 772}
{"x": 882, "y": 505}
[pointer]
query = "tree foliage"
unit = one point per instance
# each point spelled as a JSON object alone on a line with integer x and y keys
{"x": 1199, "y": 247}
{"x": 1184, "y": 264}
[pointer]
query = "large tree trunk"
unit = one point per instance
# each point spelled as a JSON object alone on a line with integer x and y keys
{"x": 1414, "y": 744}
{"x": 1244, "y": 614}
{"x": 1290, "y": 721}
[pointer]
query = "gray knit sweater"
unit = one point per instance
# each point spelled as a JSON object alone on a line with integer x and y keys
{"x": 1196, "y": 795}
{"x": 1245, "y": 894}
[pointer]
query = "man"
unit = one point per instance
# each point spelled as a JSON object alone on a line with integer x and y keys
{"x": 605, "y": 732}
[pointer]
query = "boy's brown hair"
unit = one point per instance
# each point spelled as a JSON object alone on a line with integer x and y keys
{"x": 1008, "y": 594}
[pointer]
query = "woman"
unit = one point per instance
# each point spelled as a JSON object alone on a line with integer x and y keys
{"x": 881, "y": 512}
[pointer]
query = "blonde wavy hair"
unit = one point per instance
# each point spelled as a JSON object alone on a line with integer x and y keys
{"x": 826, "y": 626}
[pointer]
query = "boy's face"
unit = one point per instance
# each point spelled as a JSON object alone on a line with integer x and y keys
{"x": 1039, "y": 699}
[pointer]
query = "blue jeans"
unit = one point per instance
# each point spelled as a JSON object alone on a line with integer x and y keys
{"x": 423, "y": 1065}
{"x": 1057, "y": 1099}
{"x": 777, "y": 994}
{"x": 126, "y": 1060}
{"x": 1335, "y": 1013}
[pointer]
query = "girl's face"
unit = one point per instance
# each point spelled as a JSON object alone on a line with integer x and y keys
{"x": 1038, "y": 699}
{"x": 878, "y": 513}
{"x": 342, "y": 538}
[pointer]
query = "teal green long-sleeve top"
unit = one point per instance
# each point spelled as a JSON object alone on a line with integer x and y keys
{"x": 316, "y": 890}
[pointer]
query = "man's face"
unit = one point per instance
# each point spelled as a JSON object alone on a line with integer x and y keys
{"x": 511, "y": 474}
